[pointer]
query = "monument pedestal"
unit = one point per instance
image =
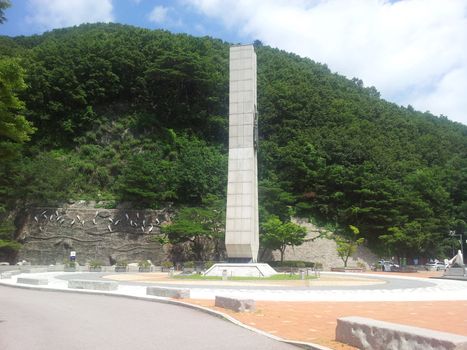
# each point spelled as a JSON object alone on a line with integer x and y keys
{"x": 455, "y": 271}
{"x": 241, "y": 270}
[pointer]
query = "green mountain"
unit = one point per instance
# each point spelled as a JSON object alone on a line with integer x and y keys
{"x": 129, "y": 114}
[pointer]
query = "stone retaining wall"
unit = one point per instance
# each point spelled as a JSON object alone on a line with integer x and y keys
{"x": 105, "y": 235}
{"x": 323, "y": 250}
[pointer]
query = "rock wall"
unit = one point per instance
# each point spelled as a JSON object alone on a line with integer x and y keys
{"x": 109, "y": 235}
{"x": 323, "y": 250}
{"x": 106, "y": 235}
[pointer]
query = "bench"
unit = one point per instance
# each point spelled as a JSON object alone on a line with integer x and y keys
{"x": 94, "y": 285}
{"x": 168, "y": 292}
{"x": 366, "y": 333}
{"x": 33, "y": 281}
{"x": 238, "y": 305}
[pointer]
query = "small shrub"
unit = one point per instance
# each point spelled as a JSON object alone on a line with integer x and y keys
{"x": 95, "y": 264}
{"x": 208, "y": 264}
{"x": 167, "y": 264}
{"x": 144, "y": 264}
{"x": 361, "y": 265}
{"x": 292, "y": 263}
{"x": 122, "y": 263}
{"x": 189, "y": 264}
{"x": 69, "y": 263}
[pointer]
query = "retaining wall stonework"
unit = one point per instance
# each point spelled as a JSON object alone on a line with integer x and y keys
{"x": 323, "y": 250}
{"x": 105, "y": 235}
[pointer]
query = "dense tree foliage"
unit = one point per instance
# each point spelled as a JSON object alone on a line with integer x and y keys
{"x": 201, "y": 227}
{"x": 124, "y": 113}
{"x": 14, "y": 128}
{"x": 4, "y": 4}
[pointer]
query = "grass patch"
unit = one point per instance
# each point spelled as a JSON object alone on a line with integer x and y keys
{"x": 278, "y": 277}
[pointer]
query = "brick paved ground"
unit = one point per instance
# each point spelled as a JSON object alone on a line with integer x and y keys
{"x": 316, "y": 321}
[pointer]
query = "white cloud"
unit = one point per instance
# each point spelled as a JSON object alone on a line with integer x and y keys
{"x": 164, "y": 15}
{"x": 49, "y": 14}
{"x": 448, "y": 97}
{"x": 159, "y": 14}
{"x": 413, "y": 51}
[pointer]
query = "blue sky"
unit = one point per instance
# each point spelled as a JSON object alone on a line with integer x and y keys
{"x": 174, "y": 16}
{"x": 413, "y": 51}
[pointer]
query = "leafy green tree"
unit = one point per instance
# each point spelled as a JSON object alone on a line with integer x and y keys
{"x": 278, "y": 235}
{"x": 201, "y": 170}
{"x": 45, "y": 180}
{"x": 202, "y": 227}
{"x": 148, "y": 179}
{"x": 14, "y": 128}
{"x": 346, "y": 247}
{"x": 8, "y": 245}
{"x": 274, "y": 200}
{"x": 4, "y": 4}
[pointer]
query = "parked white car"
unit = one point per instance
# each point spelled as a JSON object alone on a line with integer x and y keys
{"x": 435, "y": 266}
{"x": 389, "y": 266}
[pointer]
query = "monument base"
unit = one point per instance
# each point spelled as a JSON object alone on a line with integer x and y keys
{"x": 455, "y": 271}
{"x": 241, "y": 270}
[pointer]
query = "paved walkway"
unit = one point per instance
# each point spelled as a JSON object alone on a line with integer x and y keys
{"x": 308, "y": 312}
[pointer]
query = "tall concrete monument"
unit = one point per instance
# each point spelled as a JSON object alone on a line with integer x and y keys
{"x": 241, "y": 233}
{"x": 241, "y": 236}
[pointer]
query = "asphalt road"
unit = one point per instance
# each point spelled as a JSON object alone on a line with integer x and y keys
{"x": 40, "y": 320}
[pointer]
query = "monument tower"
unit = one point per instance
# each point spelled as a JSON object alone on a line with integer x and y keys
{"x": 241, "y": 233}
{"x": 241, "y": 229}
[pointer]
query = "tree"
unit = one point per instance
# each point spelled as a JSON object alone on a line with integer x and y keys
{"x": 277, "y": 235}
{"x": 200, "y": 170}
{"x": 200, "y": 226}
{"x": 148, "y": 178}
{"x": 346, "y": 247}
{"x": 4, "y": 4}
{"x": 8, "y": 245}
{"x": 45, "y": 179}
{"x": 14, "y": 128}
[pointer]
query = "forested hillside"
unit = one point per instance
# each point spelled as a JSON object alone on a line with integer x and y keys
{"x": 129, "y": 114}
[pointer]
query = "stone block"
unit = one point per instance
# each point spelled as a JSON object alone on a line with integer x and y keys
{"x": 168, "y": 292}
{"x": 33, "y": 281}
{"x": 455, "y": 271}
{"x": 4, "y": 275}
{"x": 368, "y": 334}
{"x": 93, "y": 285}
{"x": 238, "y": 305}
